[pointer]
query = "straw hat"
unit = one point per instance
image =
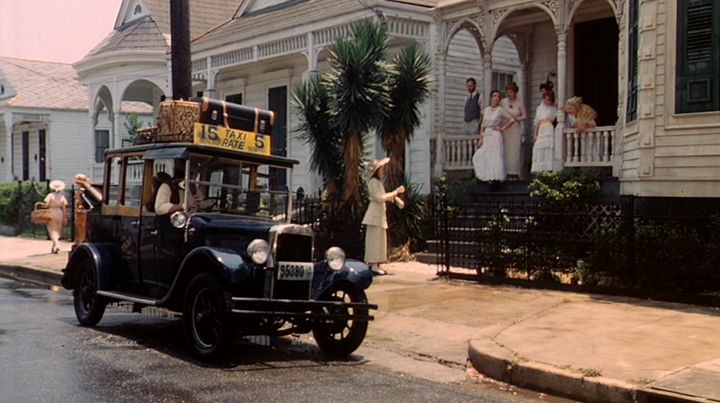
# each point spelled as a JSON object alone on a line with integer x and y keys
{"x": 374, "y": 165}
{"x": 57, "y": 185}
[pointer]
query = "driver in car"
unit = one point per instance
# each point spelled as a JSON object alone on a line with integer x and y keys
{"x": 171, "y": 193}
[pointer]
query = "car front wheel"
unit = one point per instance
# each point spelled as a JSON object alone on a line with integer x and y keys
{"x": 206, "y": 318}
{"x": 89, "y": 307}
{"x": 339, "y": 338}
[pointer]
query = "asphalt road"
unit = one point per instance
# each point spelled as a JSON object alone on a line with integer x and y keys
{"x": 46, "y": 357}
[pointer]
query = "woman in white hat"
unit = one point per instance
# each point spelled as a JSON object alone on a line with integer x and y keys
{"x": 375, "y": 218}
{"x": 56, "y": 202}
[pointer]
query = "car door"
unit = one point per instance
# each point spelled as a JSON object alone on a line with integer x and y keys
{"x": 119, "y": 219}
{"x": 161, "y": 244}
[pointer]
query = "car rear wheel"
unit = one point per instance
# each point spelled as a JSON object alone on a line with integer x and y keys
{"x": 206, "y": 318}
{"x": 339, "y": 338}
{"x": 89, "y": 307}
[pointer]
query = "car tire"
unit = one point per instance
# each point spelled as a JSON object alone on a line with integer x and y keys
{"x": 89, "y": 307}
{"x": 339, "y": 338}
{"x": 206, "y": 318}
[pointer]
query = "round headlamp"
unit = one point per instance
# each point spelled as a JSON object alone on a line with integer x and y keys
{"x": 335, "y": 258}
{"x": 258, "y": 250}
{"x": 178, "y": 219}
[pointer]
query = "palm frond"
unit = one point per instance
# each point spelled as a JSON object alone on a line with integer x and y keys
{"x": 311, "y": 100}
{"x": 409, "y": 83}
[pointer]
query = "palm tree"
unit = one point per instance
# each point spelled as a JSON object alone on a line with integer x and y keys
{"x": 311, "y": 100}
{"x": 359, "y": 100}
{"x": 409, "y": 83}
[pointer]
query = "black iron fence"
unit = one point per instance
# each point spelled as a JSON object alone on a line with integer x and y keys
{"x": 601, "y": 243}
{"x": 17, "y": 201}
{"x": 334, "y": 224}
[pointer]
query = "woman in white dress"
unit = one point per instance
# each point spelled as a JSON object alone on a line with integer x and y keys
{"x": 488, "y": 160}
{"x": 512, "y": 138}
{"x": 543, "y": 149}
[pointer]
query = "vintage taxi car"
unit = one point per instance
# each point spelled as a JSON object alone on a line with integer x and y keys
{"x": 229, "y": 259}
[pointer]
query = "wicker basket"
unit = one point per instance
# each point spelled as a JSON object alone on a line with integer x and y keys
{"x": 40, "y": 215}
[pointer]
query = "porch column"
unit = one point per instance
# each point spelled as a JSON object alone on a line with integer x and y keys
{"x": 439, "y": 132}
{"x": 211, "y": 84}
{"x": 559, "y": 163}
{"x": 116, "y": 125}
{"x": 311, "y": 56}
{"x": 8, "y": 147}
{"x": 487, "y": 78}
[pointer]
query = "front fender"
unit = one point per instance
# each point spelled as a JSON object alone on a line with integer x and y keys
{"x": 354, "y": 272}
{"x": 231, "y": 266}
{"x": 106, "y": 260}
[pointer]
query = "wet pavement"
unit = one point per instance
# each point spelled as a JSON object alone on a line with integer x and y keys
{"x": 589, "y": 347}
{"x": 46, "y": 357}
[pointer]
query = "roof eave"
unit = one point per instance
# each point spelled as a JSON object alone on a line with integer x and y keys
{"x": 109, "y": 59}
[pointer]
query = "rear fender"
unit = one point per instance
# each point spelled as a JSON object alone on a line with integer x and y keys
{"x": 106, "y": 260}
{"x": 354, "y": 272}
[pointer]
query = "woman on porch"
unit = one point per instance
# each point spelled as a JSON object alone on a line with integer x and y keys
{"x": 512, "y": 138}
{"x": 543, "y": 149}
{"x": 580, "y": 115}
{"x": 489, "y": 159}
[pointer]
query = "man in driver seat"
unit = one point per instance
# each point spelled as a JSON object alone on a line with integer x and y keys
{"x": 170, "y": 195}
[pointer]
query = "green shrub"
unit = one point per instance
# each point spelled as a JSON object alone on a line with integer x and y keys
{"x": 566, "y": 187}
{"x": 406, "y": 225}
{"x": 9, "y": 203}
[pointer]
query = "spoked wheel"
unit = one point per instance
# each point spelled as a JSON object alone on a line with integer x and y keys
{"x": 89, "y": 307}
{"x": 206, "y": 318}
{"x": 339, "y": 338}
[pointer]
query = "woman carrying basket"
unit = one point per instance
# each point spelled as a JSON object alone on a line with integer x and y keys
{"x": 56, "y": 203}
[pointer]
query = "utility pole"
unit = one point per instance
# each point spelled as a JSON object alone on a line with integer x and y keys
{"x": 180, "y": 49}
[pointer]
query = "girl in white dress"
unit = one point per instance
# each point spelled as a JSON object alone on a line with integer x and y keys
{"x": 489, "y": 160}
{"x": 543, "y": 149}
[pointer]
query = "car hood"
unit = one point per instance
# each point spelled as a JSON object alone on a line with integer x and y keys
{"x": 222, "y": 224}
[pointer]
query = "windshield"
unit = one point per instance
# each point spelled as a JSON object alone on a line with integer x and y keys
{"x": 230, "y": 186}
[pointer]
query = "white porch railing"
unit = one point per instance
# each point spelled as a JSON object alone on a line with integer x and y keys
{"x": 592, "y": 148}
{"x": 458, "y": 152}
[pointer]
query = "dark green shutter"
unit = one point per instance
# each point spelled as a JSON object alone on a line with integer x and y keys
{"x": 698, "y": 64}
{"x": 633, "y": 42}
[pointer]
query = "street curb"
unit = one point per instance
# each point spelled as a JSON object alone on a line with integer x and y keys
{"x": 32, "y": 274}
{"x": 491, "y": 360}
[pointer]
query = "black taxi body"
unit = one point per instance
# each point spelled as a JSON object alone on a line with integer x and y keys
{"x": 207, "y": 232}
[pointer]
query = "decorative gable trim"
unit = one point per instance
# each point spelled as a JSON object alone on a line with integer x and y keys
{"x": 130, "y": 10}
{"x": 254, "y": 7}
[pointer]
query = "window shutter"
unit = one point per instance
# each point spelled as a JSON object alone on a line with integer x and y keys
{"x": 633, "y": 42}
{"x": 697, "y": 68}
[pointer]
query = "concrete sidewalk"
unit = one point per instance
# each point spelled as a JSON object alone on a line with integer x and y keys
{"x": 586, "y": 347}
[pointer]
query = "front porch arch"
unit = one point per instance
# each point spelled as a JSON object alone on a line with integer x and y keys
{"x": 496, "y": 29}
{"x": 472, "y": 27}
{"x": 578, "y": 3}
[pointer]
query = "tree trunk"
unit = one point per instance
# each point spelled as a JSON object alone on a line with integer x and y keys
{"x": 394, "y": 145}
{"x": 352, "y": 150}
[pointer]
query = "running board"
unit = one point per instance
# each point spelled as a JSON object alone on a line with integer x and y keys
{"x": 138, "y": 299}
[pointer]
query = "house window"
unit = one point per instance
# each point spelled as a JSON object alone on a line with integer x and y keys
{"x": 234, "y": 98}
{"x": 697, "y": 84}
{"x": 25, "y": 156}
{"x": 138, "y": 10}
{"x": 500, "y": 80}
{"x": 633, "y": 42}
{"x": 42, "y": 154}
{"x": 102, "y": 142}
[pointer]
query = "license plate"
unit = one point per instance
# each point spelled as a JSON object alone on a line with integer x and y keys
{"x": 295, "y": 271}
